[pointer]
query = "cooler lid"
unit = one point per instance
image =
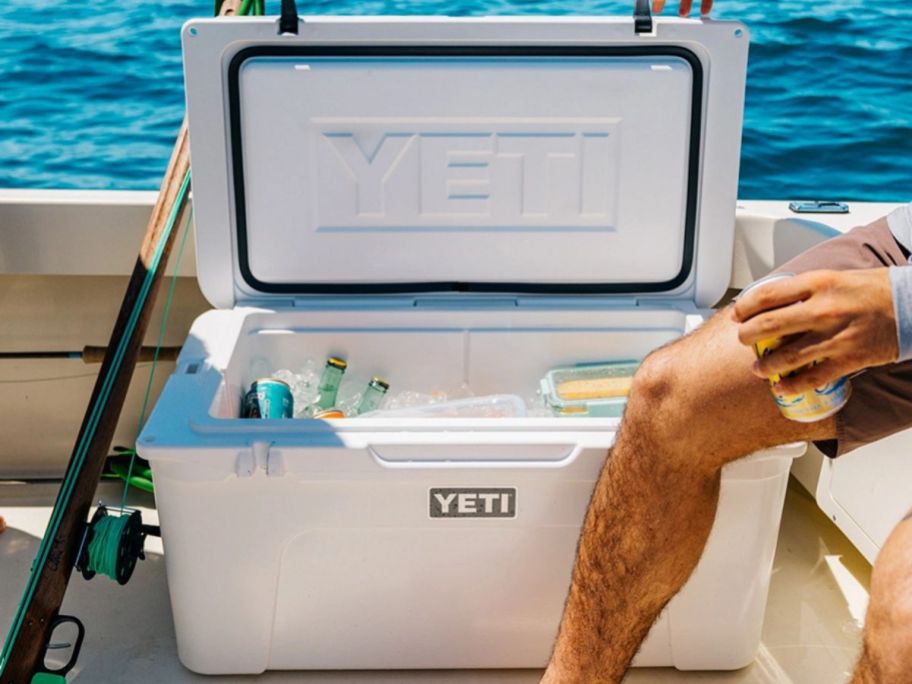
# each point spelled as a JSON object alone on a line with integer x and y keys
{"x": 395, "y": 155}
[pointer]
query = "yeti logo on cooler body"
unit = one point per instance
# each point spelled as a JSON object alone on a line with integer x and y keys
{"x": 506, "y": 174}
{"x": 473, "y": 503}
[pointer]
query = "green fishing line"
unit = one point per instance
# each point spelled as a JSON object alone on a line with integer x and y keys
{"x": 95, "y": 412}
{"x": 145, "y": 482}
{"x": 104, "y": 549}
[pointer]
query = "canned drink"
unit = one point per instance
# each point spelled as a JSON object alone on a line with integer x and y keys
{"x": 268, "y": 398}
{"x": 806, "y": 407}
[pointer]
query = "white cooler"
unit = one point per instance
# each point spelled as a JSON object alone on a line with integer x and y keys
{"x": 441, "y": 202}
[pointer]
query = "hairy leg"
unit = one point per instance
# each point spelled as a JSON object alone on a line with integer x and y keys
{"x": 887, "y": 654}
{"x": 694, "y": 407}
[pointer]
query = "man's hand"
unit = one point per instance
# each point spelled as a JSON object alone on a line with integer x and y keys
{"x": 842, "y": 319}
{"x": 685, "y": 7}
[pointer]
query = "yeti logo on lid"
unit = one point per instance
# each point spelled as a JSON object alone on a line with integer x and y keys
{"x": 473, "y": 502}
{"x": 420, "y": 175}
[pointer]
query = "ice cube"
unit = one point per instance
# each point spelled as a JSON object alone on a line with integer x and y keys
{"x": 259, "y": 368}
{"x": 463, "y": 392}
{"x": 349, "y": 403}
{"x": 286, "y": 376}
{"x": 411, "y": 399}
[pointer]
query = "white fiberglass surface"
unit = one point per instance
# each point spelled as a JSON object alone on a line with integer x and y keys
{"x": 456, "y": 354}
{"x": 431, "y": 169}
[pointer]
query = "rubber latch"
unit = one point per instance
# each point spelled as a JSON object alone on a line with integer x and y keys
{"x": 642, "y": 17}
{"x": 288, "y": 21}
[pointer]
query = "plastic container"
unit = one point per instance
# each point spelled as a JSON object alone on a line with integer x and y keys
{"x": 493, "y": 406}
{"x": 589, "y": 389}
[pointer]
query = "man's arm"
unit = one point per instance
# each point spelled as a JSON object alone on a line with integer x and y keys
{"x": 845, "y": 320}
{"x": 685, "y": 6}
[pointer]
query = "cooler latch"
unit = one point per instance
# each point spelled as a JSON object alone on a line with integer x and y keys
{"x": 642, "y": 17}
{"x": 288, "y": 20}
{"x": 260, "y": 456}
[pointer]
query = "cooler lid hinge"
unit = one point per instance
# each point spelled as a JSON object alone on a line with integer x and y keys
{"x": 642, "y": 17}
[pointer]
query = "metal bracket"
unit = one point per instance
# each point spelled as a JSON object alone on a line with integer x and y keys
{"x": 642, "y": 17}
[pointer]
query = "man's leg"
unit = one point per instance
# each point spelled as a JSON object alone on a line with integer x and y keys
{"x": 887, "y": 654}
{"x": 694, "y": 407}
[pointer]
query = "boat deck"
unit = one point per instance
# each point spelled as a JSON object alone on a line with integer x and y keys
{"x": 811, "y": 633}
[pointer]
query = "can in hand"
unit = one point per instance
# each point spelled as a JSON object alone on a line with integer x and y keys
{"x": 268, "y": 398}
{"x": 807, "y": 407}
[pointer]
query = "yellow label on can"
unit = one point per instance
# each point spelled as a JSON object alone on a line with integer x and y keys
{"x": 806, "y": 407}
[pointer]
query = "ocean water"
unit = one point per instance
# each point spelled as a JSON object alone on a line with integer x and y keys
{"x": 91, "y": 91}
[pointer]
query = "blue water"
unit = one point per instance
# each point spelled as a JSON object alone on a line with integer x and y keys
{"x": 92, "y": 90}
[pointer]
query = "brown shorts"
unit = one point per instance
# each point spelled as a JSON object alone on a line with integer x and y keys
{"x": 881, "y": 401}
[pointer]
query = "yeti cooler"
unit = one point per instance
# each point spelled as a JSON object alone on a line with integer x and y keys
{"x": 442, "y": 202}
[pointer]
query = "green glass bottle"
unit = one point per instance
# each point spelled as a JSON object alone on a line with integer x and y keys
{"x": 330, "y": 381}
{"x": 373, "y": 396}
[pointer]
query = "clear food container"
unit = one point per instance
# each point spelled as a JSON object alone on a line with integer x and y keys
{"x": 492, "y": 406}
{"x": 589, "y": 389}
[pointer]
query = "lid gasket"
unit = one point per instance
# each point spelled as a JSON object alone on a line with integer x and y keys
{"x": 286, "y": 288}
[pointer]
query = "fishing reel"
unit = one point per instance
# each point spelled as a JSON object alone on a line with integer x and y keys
{"x": 112, "y": 544}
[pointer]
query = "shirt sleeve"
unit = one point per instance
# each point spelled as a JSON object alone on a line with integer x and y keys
{"x": 901, "y": 285}
{"x": 900, "y": 222}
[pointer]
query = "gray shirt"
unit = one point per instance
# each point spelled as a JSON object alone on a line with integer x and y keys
{"x": 901, "y": 281}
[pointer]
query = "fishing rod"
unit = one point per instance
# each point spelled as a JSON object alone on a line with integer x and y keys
{"x": 111, "y": 544}
{"x": 38, "y": 614}
{"x": 90, "y": 354}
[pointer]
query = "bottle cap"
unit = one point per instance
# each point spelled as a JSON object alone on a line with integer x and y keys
{"x": 336, "y": 363}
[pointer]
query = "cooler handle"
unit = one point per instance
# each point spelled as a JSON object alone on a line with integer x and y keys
{"x": 474, "y": 455}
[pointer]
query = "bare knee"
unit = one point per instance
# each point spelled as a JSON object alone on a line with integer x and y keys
{"x": 662, "y": 408}
{"x": 655, "y": 385}
{"x": 669, "y": 388}
{"x": 888, "y": 625}
{"x": 675, "y": 401}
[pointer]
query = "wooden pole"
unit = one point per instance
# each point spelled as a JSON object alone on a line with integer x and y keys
{"x": 146, "y": 354}
{"x": 27, "y": 647}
